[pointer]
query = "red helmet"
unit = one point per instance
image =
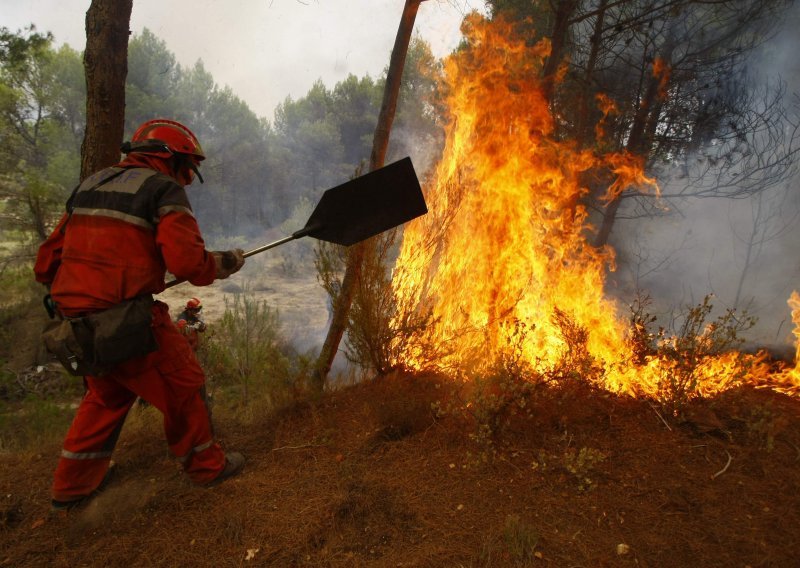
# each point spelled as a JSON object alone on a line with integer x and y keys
{"x": 163, "y": 137}
{"x": 194, "y": 304}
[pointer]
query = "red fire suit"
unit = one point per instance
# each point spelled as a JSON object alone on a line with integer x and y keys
{"x": 131, "y": 223}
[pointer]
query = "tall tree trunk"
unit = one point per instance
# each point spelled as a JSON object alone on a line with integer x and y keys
{"x": 105, "y": 62}
{"x": 558, "y": 41}
{"x": 380, "y": 143}
{"x": 587, "y": 99}
{"x": 637, "y": 144}
{"x": 584, "y": 130}
{"x": 640, "y": 140}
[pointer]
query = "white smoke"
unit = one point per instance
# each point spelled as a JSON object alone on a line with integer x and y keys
{"x": 743, "y": 251}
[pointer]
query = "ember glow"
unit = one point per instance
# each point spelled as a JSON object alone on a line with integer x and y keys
{"x": 504, "y": 244}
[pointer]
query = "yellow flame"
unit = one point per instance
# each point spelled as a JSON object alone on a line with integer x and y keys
{"x": 505, "y": 237}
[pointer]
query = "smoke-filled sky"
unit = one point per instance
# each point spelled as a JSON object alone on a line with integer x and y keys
{"x": 264, "y": 50}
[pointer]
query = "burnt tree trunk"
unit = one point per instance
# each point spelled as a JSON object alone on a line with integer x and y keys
{"x": 380, "y": 143}
{"x": 639, "y": 143}
{"x": 558, "y": 42}
{"x": 105, "y": 63}
{"x": 640, "y": 140}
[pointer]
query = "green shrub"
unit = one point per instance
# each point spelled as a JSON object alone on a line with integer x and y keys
{"x": 581, "y": 464}
{"x": 520, "y": 539}
{"x": 33, "y": 423}
{"x": 244, "y": 350}
{"x": 503, "y": 389}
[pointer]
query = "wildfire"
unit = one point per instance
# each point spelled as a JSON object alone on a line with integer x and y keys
{"x": 501, "y": 261}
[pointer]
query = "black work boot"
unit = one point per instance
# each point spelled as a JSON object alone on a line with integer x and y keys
{"x": 234, "y": 464}
{"x": 66, "y": 506}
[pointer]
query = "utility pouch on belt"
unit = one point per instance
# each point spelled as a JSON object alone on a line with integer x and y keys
{"x": 93, "y": 344}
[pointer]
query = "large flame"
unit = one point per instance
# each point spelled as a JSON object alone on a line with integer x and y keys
{"x": 504, "y": 243}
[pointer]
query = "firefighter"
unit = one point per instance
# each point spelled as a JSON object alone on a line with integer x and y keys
{"x": 190, "y": 322}
{"x": 124, "y": 227}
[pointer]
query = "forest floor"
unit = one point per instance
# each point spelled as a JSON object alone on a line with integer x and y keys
{"x": 395, "y": 471}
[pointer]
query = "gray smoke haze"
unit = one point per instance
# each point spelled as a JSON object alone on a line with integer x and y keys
{"x": 743, "y": 251}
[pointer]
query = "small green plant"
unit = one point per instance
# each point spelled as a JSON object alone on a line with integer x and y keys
{"x": 582, "y": 463}
{"x": 32, "y": 423}
{"x": 763, "y": 424}
{"x": 377, "y": 330}
{"x": 520, "y": 539}
{"x": 245, "y": 349}
{"x": 514, "y": 546}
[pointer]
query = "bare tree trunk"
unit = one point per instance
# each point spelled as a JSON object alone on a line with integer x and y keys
{"x": 380, "y": 143}
{"x": 564, "y": 11}
{"x": 584, "y": 125}
{"x": 105, "y": 62}
{"x": 636, "y": 144}
{"x": 640, "y": 140}
{"x": 584, "y": 128}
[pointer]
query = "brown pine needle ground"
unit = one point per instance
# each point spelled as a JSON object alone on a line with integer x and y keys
{"x": 372, "y": 475}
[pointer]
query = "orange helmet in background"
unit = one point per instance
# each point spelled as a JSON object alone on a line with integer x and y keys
{"x": 194, "y": 304}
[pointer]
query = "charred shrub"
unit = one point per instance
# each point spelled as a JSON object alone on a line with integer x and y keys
{"x": 575, "y": 363}
{"x": 687, "y": 352}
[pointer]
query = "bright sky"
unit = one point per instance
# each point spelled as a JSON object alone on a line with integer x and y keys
{"x": 264, "y": 50}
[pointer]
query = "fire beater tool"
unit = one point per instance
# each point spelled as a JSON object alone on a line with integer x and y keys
{"x": 360, "y": 208}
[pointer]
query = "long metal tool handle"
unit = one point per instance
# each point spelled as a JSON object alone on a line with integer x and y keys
{"x": 269, "y": 246}
{"x": 296, "y": 235}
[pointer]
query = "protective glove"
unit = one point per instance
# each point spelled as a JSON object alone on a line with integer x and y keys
{"x": 228, "y": 262}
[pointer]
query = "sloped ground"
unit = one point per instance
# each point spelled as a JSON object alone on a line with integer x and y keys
{"x": 371, "y": 476}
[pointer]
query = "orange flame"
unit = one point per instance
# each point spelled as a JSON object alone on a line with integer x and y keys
{"x": 607, "y": 107}
{"x": 662, "y": 71}
{"x": 630, "y": 172}
{"x": 789, "y": 380}
{"x": 504, "y": 241}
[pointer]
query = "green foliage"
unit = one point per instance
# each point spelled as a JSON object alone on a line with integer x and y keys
{"x": 245, "y": 350}
{"x": 520, "y": 539}
{"x": 581, "y": 463}
{"x": 370, "y": 332}
{"x": 15, "y": 48}
{"x": 764, "y": 423}
{"x": 254, "y": 174}
{"x": 376, "y": 329}
{"x": 503, "y": 391}
{"x": 514, "y": 546}
{"x": 33, "y": 424}
{"x": 41, "y": 117}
